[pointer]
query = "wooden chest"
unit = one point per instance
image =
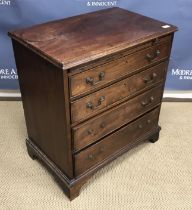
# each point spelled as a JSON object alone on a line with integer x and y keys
{"x": 91, "y": 88}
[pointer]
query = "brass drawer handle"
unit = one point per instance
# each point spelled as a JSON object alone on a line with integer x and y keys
{"x": 156, "y": 41}
{"x": 150, "y": 79}
{"x": 152, "y": 57}
{"x": 102, "y": 125}
{"x": 130, "y": 89}
{"x": 140, "y": 126}
{"x": 91, "y": 131}
{"x": 91, "y": 80}
{"x": 147, "y": 103}
{"x": 90, "y": 105}
{"x": 92, "y": 156}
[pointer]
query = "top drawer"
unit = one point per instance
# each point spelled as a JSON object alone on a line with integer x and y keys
{"x": 83, "y": 82}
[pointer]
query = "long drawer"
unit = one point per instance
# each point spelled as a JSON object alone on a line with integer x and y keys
{"x": 85, "y": 81}
{"x": 97, "y": 127}
{"x": 113, "y": 143}
{"x": 91, "y": 104}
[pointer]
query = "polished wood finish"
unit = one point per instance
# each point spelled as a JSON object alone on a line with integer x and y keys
{"x": 117, "y": 69}
{"x": 77, "y": 40}
{"x": 117, "y": 92}
{"x": 45, "y": 106}
{"x": 91, "y": 88}
{"x": 91, "y": 156}
{"x": 101, "y": 125}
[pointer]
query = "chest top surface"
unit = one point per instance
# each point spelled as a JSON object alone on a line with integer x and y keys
{"x": 76, "y": 40}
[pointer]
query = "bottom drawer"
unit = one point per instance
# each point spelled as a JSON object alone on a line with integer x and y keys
{"x": 105, "y": 148}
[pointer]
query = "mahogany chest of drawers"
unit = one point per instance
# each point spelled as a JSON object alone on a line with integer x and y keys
{"x": 91, "y": 88}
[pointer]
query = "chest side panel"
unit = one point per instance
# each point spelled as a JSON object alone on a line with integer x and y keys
{"x": 45, "y": 106}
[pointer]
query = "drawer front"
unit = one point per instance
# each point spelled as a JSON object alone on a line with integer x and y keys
{"x": 98, "y": 76}
{"x": 90, "y": 105}
{"x": 115, "y": 142}
{"x": 97, "y": 127}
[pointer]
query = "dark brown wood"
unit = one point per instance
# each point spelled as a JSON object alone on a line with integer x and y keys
{"x": 111, "y": 144}
{"x": 101, "y": 125}
{"x": 117, "y": 92}
{"x": 41, "y": 85}
{"x": 71, "y": 187}
{"x": 121, "y": 53}
{"x": 76, "y": 40}
{"x": 116, "y": 69}
{"x": 91, "y": 88}
{"x": 154, "y": 138}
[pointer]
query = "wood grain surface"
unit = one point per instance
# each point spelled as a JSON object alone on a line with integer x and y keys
{"x": 116, "y": 93}
{"x": 91, "y": 89}
{"x": 97, "y": 127}
{"x": 111, "y": 144}
{"x": 80, "y": 39}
